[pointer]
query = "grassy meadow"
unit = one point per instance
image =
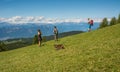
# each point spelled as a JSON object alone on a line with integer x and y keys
{"x": 95, "y": 51}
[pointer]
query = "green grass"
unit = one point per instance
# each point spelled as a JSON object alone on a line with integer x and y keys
{"x": 96, "y": 51}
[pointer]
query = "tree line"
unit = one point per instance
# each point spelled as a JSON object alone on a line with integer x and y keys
{"x": 113, "y": 21}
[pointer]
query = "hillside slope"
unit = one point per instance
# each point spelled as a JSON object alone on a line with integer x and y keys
{"x": 96, "y": 51}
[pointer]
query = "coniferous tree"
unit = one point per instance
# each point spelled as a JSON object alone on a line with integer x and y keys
{"x": 35, "y": 39}
{"x": 118, "y": 21}
{"x": 113, "y": 21}
{"x": 104, "y": 23}
{"x": 2, "y": 46}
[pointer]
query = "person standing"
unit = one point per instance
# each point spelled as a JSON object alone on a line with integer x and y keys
{"x": 39, "y": 37}
{"x": 55, "y": 33}
{"x": 90, "y": 22}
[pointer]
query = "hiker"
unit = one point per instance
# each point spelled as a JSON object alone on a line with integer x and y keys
{"x": 55, "y": 33}
{"x": 90, "y": 22}
{"x": 39, "y": 37}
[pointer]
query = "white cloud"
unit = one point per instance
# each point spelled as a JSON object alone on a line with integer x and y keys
{"x": 41, "y": 19}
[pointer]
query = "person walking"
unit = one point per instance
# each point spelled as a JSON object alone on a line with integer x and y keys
{"x": 90, "y": 22}
{"x": 39, "y": 37}
{"x": 55, "y": 33}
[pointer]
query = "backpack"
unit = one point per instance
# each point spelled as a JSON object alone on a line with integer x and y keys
{"x": 91, "y": 22}
{"x": 55, "y": 31}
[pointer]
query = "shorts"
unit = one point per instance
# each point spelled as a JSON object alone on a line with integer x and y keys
{"x": 39, "y": 38}
{"x": 90, "y": 26}
{"x": 56, "y": 35}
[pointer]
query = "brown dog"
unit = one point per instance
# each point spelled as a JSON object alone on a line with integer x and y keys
{"x": 59, "y": 46}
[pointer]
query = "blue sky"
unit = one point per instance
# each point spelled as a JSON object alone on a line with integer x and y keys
{"x": 60, "y": 8}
